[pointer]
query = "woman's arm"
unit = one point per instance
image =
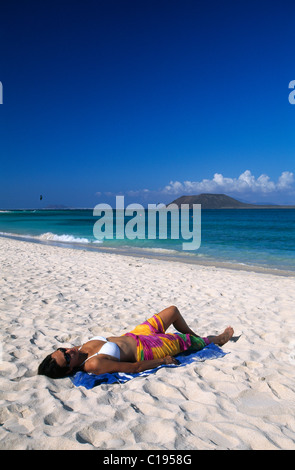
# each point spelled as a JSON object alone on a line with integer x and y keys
{"x": 104, "y": 366}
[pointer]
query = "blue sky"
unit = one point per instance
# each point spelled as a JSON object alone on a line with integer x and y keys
{"x": 149, "y": 99}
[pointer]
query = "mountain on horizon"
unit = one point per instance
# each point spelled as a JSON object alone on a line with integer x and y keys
{"x": 222, "y": 201}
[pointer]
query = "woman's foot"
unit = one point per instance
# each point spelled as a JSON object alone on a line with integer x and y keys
{"x": 223, "y": 338}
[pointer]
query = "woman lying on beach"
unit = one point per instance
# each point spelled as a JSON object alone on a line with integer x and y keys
{"x": 146, "y": 347}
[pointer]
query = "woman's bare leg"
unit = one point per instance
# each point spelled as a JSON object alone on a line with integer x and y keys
{"x": 172, "y": 316}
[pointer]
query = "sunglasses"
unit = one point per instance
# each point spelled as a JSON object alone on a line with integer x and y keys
{"x": 66, "y": 355}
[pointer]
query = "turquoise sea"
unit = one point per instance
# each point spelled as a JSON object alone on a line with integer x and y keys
{"x": 261, "y": 238}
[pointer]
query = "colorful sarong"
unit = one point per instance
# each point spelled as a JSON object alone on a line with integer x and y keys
{"x": 153, "y": 343}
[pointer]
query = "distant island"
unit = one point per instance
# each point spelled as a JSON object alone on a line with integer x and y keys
{"x": 222, "y": 201}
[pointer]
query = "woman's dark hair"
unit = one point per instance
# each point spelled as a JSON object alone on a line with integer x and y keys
{"x": 50, "y": 368}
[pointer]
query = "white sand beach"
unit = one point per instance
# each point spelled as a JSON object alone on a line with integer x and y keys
{"x": 53, "y": 297}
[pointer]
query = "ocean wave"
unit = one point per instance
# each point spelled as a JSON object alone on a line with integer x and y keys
{"x": 17, "y": 211}
{"x": 49, "y": 236}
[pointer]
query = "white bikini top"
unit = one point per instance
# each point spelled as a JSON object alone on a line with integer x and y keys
{"x": 109, "y": 348}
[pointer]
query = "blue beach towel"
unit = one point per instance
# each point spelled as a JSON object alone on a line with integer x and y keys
{"x": 91, "y": 380}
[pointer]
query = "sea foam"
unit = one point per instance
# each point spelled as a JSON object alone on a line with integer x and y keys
{"x": 62, "y": 238}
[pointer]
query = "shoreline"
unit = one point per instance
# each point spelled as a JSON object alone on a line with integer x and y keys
{"x": 149, "y": 254}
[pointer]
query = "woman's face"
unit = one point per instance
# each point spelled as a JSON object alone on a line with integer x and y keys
{"x": 67, "y": 357}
